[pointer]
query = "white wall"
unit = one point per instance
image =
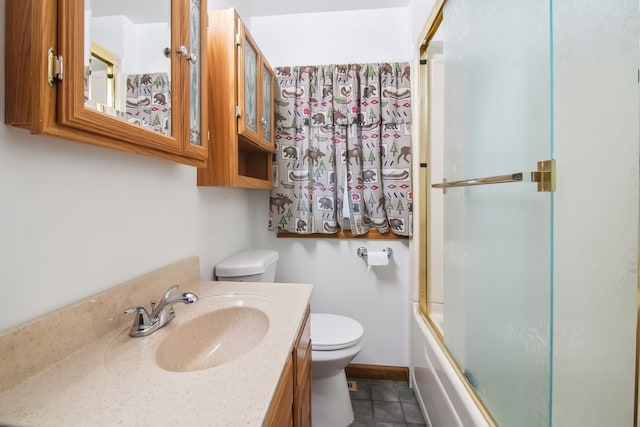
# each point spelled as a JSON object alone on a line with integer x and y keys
{"x": 375, "y": 35}
{"x": 379, "y": 299}
{"x": 419, "y": 12}
{"x": 78, "y": 219}
{"x": 243, "y": 8}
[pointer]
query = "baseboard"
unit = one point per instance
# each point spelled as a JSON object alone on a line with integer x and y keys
{"x": 377, "y": 372}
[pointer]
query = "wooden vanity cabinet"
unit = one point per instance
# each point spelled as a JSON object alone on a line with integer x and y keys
{"x": 281, "y": 410}
{"x": 46, "y": 81}
{"x": 291, "y": 404}
{"x": 241, "y": 102}
{"x": 302, "y": 376}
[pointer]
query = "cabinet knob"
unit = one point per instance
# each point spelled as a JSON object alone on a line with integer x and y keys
{"x": 182, "y": 51}
{"x": 263, "y": 121}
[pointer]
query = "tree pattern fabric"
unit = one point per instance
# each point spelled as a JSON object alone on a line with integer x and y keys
{"x": 342, "y": 125}
{"x": 149, "y": 101}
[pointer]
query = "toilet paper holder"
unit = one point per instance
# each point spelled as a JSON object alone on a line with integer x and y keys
{"x": 362, "y": 252}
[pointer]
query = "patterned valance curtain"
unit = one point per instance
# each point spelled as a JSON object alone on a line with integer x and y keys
{"x": 149, "y": 101}
{"x": 342, "y": 125}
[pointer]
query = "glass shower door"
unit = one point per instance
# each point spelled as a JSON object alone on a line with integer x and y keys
{"x": 498, "y": 238}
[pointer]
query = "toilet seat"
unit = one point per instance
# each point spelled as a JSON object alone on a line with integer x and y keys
{"x": 333, "y": 331}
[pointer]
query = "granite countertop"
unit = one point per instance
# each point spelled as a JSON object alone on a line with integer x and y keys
{"x": 115, "y": 380}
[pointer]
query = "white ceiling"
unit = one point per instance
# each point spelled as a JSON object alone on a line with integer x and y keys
{"x": 285, "y": 7}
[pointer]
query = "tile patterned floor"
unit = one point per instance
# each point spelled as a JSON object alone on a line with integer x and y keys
{"x": 382, "y": 403}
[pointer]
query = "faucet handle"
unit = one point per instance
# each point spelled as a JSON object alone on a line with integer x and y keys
{"x": 142, "y": 315}
{"x": 134, "y": 309}
{"x": 142, "y": 321}
{"x": 167, "y": 294}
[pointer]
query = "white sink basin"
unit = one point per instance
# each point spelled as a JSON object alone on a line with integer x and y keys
{"x": 212, "y": 339}
{"x": 214, "y": 331}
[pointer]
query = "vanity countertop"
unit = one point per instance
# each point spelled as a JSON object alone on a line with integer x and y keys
{"x": 114, "y": 380}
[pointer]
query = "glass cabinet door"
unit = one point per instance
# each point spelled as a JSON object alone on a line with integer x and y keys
{"x": 196, "y": 139}
{"x": 267, "y": 99}
{"x": 250, "y": 87}
{"x": 256, "y": 83}
{"x": 119, "y": 87}
{"x": 142, "y": 88}
{"x": 194, "y": 73}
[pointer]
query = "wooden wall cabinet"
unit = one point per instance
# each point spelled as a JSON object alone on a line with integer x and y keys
{"x": 291, "y": 404}
{"x": 241, "y": 96}
{"x": 48, "y": 96}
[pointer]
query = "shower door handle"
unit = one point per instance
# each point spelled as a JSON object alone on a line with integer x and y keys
{"x": 545, "y": 176}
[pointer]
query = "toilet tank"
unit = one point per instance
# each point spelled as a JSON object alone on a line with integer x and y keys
{"x": 254, "y": 265}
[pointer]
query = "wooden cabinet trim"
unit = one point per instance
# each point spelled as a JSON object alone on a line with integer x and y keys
{"x": 343, "y": 234}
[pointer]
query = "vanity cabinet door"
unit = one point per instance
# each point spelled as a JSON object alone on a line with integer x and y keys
{"x": 122, "y": 77}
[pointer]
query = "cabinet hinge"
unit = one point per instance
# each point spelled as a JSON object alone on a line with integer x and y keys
{"x": 238, "y": 39}
{"x": 238, "y": 111}
{"x": 208, "y": 135}
{"x": 55, "y": 67}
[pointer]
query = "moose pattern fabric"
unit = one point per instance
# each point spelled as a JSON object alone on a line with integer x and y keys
{"x": 337, "y": 126}
{"x": 149, "y": 101}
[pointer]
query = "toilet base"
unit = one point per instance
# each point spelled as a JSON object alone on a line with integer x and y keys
{"x": 330, "y": 401}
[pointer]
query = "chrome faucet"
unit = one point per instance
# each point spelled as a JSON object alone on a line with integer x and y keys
{"x": 145, "y": 324}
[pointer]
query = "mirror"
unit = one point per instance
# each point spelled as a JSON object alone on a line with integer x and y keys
{"x": 100, "y": 79}
{"x": 127, "y": 74}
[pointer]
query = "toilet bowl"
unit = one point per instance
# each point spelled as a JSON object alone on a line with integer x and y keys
{"x": 335, "y": 340}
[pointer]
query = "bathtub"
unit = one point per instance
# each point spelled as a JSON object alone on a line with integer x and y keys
{"x": 443, "y": 397}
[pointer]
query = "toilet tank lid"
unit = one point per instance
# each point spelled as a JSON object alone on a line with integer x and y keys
{"x": 245, "y": 263}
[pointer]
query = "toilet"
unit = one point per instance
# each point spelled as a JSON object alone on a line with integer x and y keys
{"x": 335, "y": 340}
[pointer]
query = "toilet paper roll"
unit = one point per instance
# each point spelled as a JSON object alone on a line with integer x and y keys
{"x": 376, "y": 258}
